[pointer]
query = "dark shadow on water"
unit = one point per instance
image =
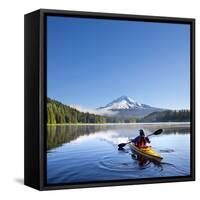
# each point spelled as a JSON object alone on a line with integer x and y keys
{"x": 143, "y": 162}
{"x": 123, "y": 150}
{"x": 167, "y": 150}
{"x": 19, "y": 181}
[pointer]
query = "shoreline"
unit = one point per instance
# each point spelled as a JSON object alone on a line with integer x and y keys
{"x": 119, "y": 124}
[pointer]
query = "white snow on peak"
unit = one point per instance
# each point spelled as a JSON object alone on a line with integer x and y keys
{"x": 122, "y": 102}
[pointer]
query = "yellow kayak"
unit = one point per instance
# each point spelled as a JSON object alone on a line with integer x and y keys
{"x": 147, "y": 152}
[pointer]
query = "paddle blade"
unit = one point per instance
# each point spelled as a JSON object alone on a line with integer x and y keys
{"x": 122, "y": 145}
{"x": 159, "y": 131}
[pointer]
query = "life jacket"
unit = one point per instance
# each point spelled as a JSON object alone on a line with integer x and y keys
{"x": 141, "y": 142}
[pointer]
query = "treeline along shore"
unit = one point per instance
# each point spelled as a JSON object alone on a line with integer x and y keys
{"x": 167, "y": 116}
{"x": 58, "y": 113}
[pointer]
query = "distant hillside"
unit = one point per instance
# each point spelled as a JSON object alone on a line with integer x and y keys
{"x": 167, "y": 116}
{"x": 58, "y": 113}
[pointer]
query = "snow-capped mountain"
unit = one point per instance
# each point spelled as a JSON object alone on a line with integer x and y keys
{"x": 122, "y": 102}
{"x": 126, "y": 107}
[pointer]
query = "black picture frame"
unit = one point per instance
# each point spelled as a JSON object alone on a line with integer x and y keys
{"x": 35, "y": 84}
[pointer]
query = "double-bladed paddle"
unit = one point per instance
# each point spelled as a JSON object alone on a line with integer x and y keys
{"x": 159, "y": 131}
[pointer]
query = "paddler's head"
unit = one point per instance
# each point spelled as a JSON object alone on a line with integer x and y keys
{"x": 141, "y": 133}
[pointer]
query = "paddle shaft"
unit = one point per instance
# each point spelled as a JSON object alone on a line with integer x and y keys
{"x": 150, "y": 135}
{"x": 159, "y": 131}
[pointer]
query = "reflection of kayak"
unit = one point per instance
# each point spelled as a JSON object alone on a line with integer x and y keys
{"x": 147, "y": 152}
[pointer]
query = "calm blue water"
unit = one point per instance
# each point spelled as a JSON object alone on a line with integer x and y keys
{"x": 90, "y": 153}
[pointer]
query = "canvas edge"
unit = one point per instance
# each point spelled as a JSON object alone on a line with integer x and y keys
{"x": 42, "y": 92}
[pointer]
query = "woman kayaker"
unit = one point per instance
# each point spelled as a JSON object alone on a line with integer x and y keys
{"x": 141, "y": 141}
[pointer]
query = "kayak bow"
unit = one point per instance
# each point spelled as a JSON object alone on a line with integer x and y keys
{"x": 147, "y": 152}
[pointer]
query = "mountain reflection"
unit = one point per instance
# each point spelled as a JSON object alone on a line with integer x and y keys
{"x": 58, "y": 135}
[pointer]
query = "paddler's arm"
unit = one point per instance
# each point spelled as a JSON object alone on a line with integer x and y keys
{"x": 147, "y": 140}
{"x": 135, "y": 140}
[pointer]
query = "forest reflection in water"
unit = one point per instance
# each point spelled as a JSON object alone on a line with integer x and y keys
{"x": 61, "y": 134}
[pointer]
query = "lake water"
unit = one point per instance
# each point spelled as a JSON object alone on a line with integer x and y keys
{"x": 83, "y": 153}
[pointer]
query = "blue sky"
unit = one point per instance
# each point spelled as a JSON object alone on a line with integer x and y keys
{"x": 91, "y": 62}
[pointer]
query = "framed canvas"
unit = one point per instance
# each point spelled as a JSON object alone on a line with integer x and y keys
{"x": 109, "y": 99}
